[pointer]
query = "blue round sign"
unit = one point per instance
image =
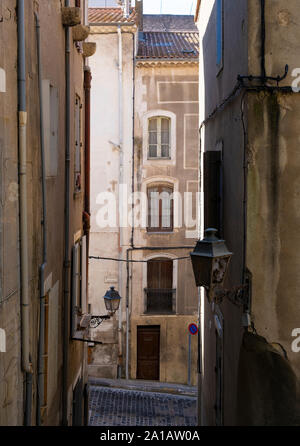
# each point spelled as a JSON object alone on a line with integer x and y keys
{"x": 193, "y": 329}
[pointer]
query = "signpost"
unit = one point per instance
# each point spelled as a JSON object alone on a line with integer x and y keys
{"x": 193, "y": 330}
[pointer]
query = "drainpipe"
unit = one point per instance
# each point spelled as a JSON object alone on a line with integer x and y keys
{"x": 22, "y": 112}
{"x": 87, "y": 210}
{"x": 121, "y": 175}
{"x": 132, "y": 210}
{"x": 126, "y": 8}
{"x": 67, "y": 260}
{"x": 41, "y": 344}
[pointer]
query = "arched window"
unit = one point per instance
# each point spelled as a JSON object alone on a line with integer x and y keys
{"x": 159, "y": 128}
{"x": 160, "y": 208}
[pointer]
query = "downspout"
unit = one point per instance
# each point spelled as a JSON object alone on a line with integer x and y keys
{"x": 41, "y": 345}
{"x": 22, "y": 127}
{"x": 87, "y": 210}
{"x": 263, "y": 39}
{"x": 121, "y": 167}
{"x": 132, "y": 210}
{"x": 67, "y": 261}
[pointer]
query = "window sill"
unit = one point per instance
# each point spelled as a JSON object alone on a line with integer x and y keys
{"x": 159, "y": 313}
{"x": 160, "y": 232}
{"x": 158, "y": 159}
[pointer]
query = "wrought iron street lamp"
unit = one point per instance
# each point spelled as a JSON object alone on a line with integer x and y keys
{"x": 112, "y": 302}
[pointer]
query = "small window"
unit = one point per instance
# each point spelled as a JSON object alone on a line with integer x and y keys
{"x": 78, "y": 144}
{"x": 159, "y": 138}
{"x": 160, "y": 209}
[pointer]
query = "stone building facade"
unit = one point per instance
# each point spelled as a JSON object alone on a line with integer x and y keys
{"x": 148, "y": 141}
{"x": 42, "y": 99}
{"x": 249, "y": 140}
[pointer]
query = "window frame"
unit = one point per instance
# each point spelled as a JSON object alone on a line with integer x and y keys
{"x": 158, "y": 132}
{"x": 171, "y": 160}
{"x": 166, "y": 256}
{"x": 160, "y": 229}
{"x": 171, "y": 291}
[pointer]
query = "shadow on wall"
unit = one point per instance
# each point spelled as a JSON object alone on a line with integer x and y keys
{"x": 267, "y": 386}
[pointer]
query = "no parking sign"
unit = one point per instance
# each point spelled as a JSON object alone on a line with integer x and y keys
{"x": 193, "y": 329}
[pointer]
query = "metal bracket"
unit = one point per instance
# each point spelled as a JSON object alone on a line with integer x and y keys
{"x": 97, "y": 320}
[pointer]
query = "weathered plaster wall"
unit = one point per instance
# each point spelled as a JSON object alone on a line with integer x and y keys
{"x": 11, "y": 377}
{"x": 271, "y": 142}
{"x": 167, "y": 89}
{"x": 224, "y": 130}
{"x": 105, "y": 172}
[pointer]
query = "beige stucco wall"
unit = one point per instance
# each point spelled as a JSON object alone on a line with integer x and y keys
{"x": 53, "y": 69}
{"x": 272, "y": 217}
{"x": 171, "y": 90}
{"x": 174, "y": 341}
{"x": 105, "y": 177}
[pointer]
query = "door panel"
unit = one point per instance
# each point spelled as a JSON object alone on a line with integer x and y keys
{"x": 148, "y": 348}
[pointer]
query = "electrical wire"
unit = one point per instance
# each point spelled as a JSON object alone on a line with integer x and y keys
{"x": 134, "y": 261}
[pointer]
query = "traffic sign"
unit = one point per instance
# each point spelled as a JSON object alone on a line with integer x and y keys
{"x": 193, "y": 329}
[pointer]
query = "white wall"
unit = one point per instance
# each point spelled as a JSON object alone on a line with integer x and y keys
{"x": 105, "y": 156}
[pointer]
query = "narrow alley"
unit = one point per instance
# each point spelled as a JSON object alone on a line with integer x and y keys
{"x": 149, "y": 214}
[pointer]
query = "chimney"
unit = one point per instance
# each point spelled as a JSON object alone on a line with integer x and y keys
{"x": 127, "y": 8}
{"x": 140, "y": 13}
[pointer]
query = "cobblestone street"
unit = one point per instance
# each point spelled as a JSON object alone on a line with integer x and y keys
{"x": 131, "y": 407}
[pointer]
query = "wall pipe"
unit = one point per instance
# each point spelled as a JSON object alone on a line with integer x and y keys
{"x": 121, "y": 180}
{"x": 132, "y": 210}
{"x": 263, "y": 39}
{"x": 23, "y": 218}
{"x": 87, "y": 145}
{"x": 41, "y": 344}
{"x": 67, "y": 260}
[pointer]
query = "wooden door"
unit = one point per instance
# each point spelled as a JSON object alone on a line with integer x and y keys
{"x": 148, "y": 347}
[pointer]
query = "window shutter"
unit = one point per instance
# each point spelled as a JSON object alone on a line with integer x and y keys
{"x": 83, "y": 276}
{"x": 75, "y": 288}
{"x": 213, "y": 191}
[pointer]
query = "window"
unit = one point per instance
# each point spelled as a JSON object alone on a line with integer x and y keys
{"x": 79, "y": 284}
{"x": 159, "y": 137}
{"x": 160, "y": 209}
{"x": 78, "y": 144}
{"x": 160, "y": 295}
{"x": 213, "y": 190}
{"x": 220, "y": 34}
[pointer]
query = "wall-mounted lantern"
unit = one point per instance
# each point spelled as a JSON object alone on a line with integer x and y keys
{"x": 210, "y": 260}
{"x": 112, "y": 303}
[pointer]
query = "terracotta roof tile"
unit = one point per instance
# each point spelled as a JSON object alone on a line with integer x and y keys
{"x": 168, "y": 23}
{"x": 110, "y": 15}
{"x": 168, "y": 45}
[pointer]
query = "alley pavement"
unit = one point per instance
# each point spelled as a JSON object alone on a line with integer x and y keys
{"x": 141, "y": 403}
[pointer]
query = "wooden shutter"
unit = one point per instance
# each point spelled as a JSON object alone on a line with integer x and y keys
{"x": 213, "y": 191}
{"x": 160, "y": 283}
{"x": 83, "y": 276}
{"x": 75, "y": 302}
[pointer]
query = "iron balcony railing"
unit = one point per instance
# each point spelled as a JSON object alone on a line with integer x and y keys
{"x": 160, "y": 301}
